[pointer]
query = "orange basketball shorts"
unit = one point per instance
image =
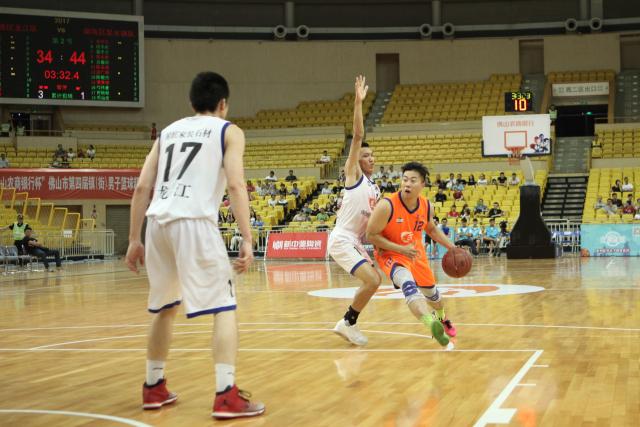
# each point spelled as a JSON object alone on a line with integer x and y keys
{"x": 419, "y": 267}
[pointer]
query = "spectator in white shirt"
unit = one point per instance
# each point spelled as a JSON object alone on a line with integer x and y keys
{"x": 91, "y": 152}
{"x": 627, "y": 186}
{"x": 482, "y": 180}
{"x": 70, "y": 154}
{"x": 273, "y": 202}
{"x": 451, "y": 181}
{"x": 4, "y": 163}
{"x": 599, "y": 204}
{"x": 325, "y": 158}
{"x": 514, "y": 179}
{"x": 326, "y": 189}
{"x": 393, "y": 174}
{"x": 271, "y": 177}
{"x": 380, "y": 174}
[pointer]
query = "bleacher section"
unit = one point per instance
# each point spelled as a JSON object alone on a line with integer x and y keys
{"x": 611, "y": 143}
{"x": 309, "y": 113}
{"x": 292, "y": 153}
{"x": 600, "y": 182}
{"x": 581, "y": 76}
{"x": 450, "y": 101}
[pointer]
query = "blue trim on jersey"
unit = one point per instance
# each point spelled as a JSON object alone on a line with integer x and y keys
{"x": 164, "y": 307}
{"x": 358, "y": 264}
{"x": 390, "y": 204}
{"x": 211, "y": 311}
{"x": 405, "y": 206}
{"x": 224, "y": 129}
{"x": 357, "y": 183}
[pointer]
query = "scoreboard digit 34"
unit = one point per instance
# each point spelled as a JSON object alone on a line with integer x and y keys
{"x": 68, "y": 58}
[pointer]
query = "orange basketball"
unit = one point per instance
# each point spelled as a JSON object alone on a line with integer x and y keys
{"x": 457, "y": 262}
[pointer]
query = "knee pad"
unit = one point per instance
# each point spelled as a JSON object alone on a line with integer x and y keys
{"x": 432, "y": 294}
{"x": 403, "y": 279}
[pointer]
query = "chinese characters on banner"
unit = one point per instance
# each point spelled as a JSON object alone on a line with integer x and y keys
{"x": 59, "y": 184}
{"x": 297, "y": 245}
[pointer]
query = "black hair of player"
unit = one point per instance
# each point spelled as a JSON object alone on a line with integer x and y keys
{"x": 207, "y": 90}
{"x": 364, "y": 145}
{"x": 418, "y": 167}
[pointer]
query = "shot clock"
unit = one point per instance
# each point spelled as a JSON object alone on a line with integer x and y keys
{"x": 68, "y": 58}
{"x": 517, "y": 102}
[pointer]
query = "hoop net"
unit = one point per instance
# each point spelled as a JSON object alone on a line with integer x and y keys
{"x": 515, "y": 155}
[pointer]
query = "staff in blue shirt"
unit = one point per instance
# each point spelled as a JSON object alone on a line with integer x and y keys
{"x": 465, "y": 237}
{"x": 491, "y": 234}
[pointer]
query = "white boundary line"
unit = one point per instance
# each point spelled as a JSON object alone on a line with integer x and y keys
{"x": 286, "y": 350}
{"x": 76, "y": 414}
{"x": 497, "y": 415}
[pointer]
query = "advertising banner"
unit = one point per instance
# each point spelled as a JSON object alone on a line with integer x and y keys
{"x": 581, "y": 89}
{"x": 297, "y": 245}
{"x": 610, "y": 240}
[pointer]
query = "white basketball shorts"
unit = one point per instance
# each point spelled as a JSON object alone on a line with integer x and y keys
{"x": 187, "y": 262}
{"x": 347, "y": 250}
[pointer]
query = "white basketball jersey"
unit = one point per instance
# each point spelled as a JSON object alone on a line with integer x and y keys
{"x": 190, "y": 180}
{"x": 357, "y": 204}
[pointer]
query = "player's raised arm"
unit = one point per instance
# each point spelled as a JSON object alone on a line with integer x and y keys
{"x": 351, "y": 168}
{"x": 139, "y": 204}
{"x": 436, "y": 234}
{"x": 378, "y": 221}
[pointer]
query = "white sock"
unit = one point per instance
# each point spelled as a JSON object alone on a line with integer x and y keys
{"x": 155, "y": 371}
{"x": 225, "y": 376}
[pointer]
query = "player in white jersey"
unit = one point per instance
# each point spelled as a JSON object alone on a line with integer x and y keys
{"x": 345, "y": 241}
{"x": 187, "y": 263}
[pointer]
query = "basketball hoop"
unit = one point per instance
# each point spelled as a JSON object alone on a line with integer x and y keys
{"x": 515, "y": 155}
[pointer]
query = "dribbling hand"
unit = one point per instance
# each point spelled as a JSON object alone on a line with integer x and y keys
{"x": 245, "y": 257}
{"x": 135, "y": 253}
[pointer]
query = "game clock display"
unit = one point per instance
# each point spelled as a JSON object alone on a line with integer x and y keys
{"x": 517, "y": 102}
{"x": 68, "y": 58}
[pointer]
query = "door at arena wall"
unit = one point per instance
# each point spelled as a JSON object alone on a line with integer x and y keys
{"x": 387, "y": 71}
{"x": 118, "y": 221}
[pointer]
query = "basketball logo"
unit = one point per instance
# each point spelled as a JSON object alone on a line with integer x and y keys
{"x": 406, "y": 237}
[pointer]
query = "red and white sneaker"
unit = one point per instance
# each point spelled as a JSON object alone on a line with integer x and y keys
{"x": 235, "y": 403}
{"x": 156, "y": 396}
{"x": 449, "y": 329}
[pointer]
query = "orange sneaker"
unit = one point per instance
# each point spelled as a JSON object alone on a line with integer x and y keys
{"x": 235, "y": 403}
{"x": 156, "y": 396}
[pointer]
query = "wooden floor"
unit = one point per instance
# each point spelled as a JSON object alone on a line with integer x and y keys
{"x": 563, "y": 350}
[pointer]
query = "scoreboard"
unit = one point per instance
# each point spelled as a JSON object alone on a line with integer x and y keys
{"x": 68, "y": 58}
{"x": 518, "y": 102}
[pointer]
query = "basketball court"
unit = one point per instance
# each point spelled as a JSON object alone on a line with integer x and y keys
{"x": 540, "y": 342}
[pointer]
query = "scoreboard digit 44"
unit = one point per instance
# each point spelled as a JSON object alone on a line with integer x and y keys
{"x": 516, "y": 102}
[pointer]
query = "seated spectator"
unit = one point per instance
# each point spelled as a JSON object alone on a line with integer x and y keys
{"x": 380, "y": 174}
{"x": 295, "y": 191}
{"x": 616, "y": 201}
{"x": 261, "y": 189}
{"x": 329, "y": 209}
{"x": 37, "y": 249}
{"x": 480, "y": 207}
{"x": 457, "y": 195}
{"x": 453, "y": 213}
{"x": 91, "y": 152}
{"x": 465, "y": 237}
{"x": 617, "y": 187}
{"x": 81, "y": 154}
{"x": 333, "y": 203}
{"x": 451, "y": 181}
{"x": 491, "y": 235}
{"x": 325, "y": 158}
{"x": 476, "y": 235}
{"x": 4, "y": 163}
{"x": 322, "y": 227}
{"x": 340, "y": 198}
{"x": 301, "y": 217}
{"x": 322, "y": 215}
{"x": 494, "y": 182}
{"x": 258, "y": 222}
{"x": 600, "y": 204}
{"x": 236, "y": 240}
{"x": 458, "y": 186}
{"x": 514, "y": 179}
{"x": 390, "y": 188}
{"x": 503, "y": 237}
{"x": 465, "y": 212}
{"x": 291, "y": 177}
{"x": 482, "y": 180}
{"x": 427, "y": 182}
{"x": 230, "y": 218}
{"x": 271, "y": 177}
{"x": 60, "y": 152}
{"x": 342, "y": 178}
{"x": 326, "y": 189}
{"x": 282, "y": 191}
{"x": 637, "y": 205}
{"x": 461, "y": 180}
{"x": 440, "y": 183}
{"x": 316, "y": 209}
{"x": 629, "y": 199}
{"x": 393, "y": 174}
{"x": 250, "y": 187}
{"x": 629, "y": 209}
{"x": 495, "y": 211}
{"x": 610, "y": 208}
{"x": 306, "y": 209}
{"x": 70, "y": 154}
{"x": 444, "y": 227}
{"x": 627, "y": 186}
{"x": 502, "y": 180}
{"x": 271, "y": 189}
{"x": 472, "y": 180}
{"x": 440, "y": 196}
{"x": 272, "y": 202}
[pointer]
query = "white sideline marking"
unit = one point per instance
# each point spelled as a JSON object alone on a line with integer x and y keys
{"x": 284, "y": 350}
{"x": 540, "y": 366}
{"x": 76, "y": 414}
{"x": 497, "y": 415}
{"x": 526, "y": 385}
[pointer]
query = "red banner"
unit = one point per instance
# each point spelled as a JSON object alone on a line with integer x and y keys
{"x": 60, "y": 184}
{"x": 297, "y": 245}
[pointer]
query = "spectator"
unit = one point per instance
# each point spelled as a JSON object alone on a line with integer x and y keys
{"x": 81, "y": 154}
{"x": 390, "y": 188}
{"x": 637, "y": 205}
{"x": 91, "y": 152}
{"x": 617, "y": 187}
{"x": 154, "y": 132}
{"x": 322, "y": 216}
{"x": 250, "y": 187}
{"x": 282, "y": 201}
{"x": 4, "y": 163}
{"x": 630, "y": 199}
{"x": 465, "y": 237}
{"x": 71, "y": 155}
{"x": 629, "y": 208}
{"x": 342, "y": 178}
{"x": 502, "y": 180}
{"x": 316, "y": 209}
{"x": 480, "y": 207}
{"x": 301, "y": 217}
{"x": 471, "y": 181}
{"x": 495, "y": 211}
{"x": 599, "y": 204}
{"x": 295, "y": 191}
{"x": 271, "y": 189}
{"x": 444, "y": 227}
{"x": 322, "y": 227}
{"x": 616, "y": 201}
{"x": 494, "y": 182}
{"x": 627, "y": 186}
{"x": 329, "y": 209}
{"x": 306, "y": 209}
{"x": 340, "y": 198}
{"x": 325, "y": 158}
{"x": 457, "y": 195}
{"x": 461, "y": 180}
{"x": 59, "y": 152}
{"x": 427, "y": 182}
{"x": 252, "y": 216}
{"x": 258, "y": 222}
{"x": 380, "y": 174}
{"x": 18, "y": 228}
{"x": 553, "y": 113}
{"x": 291, "y": 177}
{"x": 465, "y": 212}
{"x": 503, "y": 238}
{"x": 271, "y": 177}
{"x": 261, "y": 189}
{"x": 440, "y": 183}
{"x": 476, "y": 235}
{"x": 225, "y": 200}
{"x": 482, "y": 180}
{"x": 236, "y": 240}
{"x": 393, "y": 174}
{"x": 440, "y": 196}
{"x": 37, "y": 249}
{"x": 326, "y": 189}
{"x": 451, "y": 181}
{"x": 282, "y": 191}
{"x": 491, "y": 235}
{"x": 230, "y": 218}
{"x": 611, "y": 208}
{"x": 332, "y": 203}
{"x": 514, "y": 179}
{"x": 272, "y": 202}
{"x": 453, "y": 213}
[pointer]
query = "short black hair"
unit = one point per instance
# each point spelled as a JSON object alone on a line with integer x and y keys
{"x": 28, "y": 229}
{"x": 418, "y": 167}
{"x": 364, "y": 145}
{"x": 207, "y": 90}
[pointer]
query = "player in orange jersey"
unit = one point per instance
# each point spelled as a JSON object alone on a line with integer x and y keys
{"x": 395, "y": 229}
